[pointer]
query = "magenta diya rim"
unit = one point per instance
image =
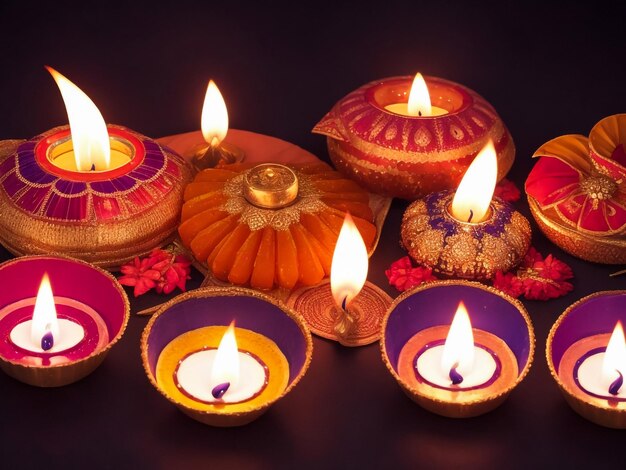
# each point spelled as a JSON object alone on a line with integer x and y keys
{"x": 72, "y": 279}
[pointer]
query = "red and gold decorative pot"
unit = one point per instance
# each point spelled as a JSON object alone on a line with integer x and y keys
{"x": 406, "y": 156}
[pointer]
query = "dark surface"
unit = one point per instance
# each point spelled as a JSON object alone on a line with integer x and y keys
{"x": 548, "y": 70}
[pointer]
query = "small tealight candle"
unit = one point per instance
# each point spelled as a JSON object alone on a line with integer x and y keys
{"x": 419, "y": 103}
{"x": 443, "y": 363}
{"x": 90, "y": 147}
{"x": 586, "y": 353}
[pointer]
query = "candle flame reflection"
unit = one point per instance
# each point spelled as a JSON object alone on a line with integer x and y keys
{"x": 473, "y": 196}
{"x": 90, "y": 138}
{"x": 458, "y": 351}
{"x": 214, "y": 121}
{"x": 45, "y": 325}
{"x": 226, "y": 365}
{"x": 419, "y": 98}
{"x": 614, "y": 363}
{"x": 349, "y": 266}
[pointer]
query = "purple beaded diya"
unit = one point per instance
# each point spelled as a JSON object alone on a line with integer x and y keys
{"x": 576, "y": 351}
{"x": 86, "y": 298}
{"x": 105, "y": 217}
{"x": 420, "y": 319}
{"x": 267, "y": 331}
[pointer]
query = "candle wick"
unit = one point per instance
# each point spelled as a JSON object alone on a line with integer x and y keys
{"x": 93, "y": 167}
{"x": 454, "y": 375}
{"x": 343, "y": 303}
{"x": 471, "y": 216}
{"x": 616, "y": 384}
{"x": 47, "y": 340}
{"x": 419, "y": 113}
{"x": 220, "y": 389}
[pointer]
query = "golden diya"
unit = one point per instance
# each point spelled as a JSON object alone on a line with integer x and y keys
{"x": 101, "y": 193}
{"x": 59, "y": 317}
{"x": 223, "y": 356}
{"x": 346, "y": 309}
{"x": 586, "y": 354}
{"x": 468, "y": 233}
{"x": 214, "y": 126}
{"x": 410, "y": 136}
{"x": 577, "y": 192}
{"x": 457, "y": 348}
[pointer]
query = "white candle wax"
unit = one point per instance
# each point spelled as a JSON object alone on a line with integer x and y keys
{"x": 428, "y": 365}
{"x": 194, "y": 377}
{"x": 592, "y": 381}
{"x": 403, "y": 109}
{"x": 70, "y": 334}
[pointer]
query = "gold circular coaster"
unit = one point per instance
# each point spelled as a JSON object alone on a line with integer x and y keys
{"x": 361, "y": 326}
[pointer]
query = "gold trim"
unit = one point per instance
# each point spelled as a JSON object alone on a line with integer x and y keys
{"x": 470, "y": 408}
{"x": 223, "y": 418}
{"x": 612, "y": 418}
{"x": 69, "y": 372}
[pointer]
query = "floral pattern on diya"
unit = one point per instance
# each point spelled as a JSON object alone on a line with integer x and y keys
{"x": 436, "y": 240}
{"x": 104, "y": 217}
{"x": 577, "y": 191}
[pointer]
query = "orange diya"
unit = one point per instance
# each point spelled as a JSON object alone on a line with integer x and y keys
{"x": 450, "y": 367}
{"x": 398, "y": 142}
{"x": 101, "y": 193}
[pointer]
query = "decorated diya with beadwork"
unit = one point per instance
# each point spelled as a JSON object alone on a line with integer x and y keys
{"x": 577, "y": 192}
{"x": 375, "y": 138}
{"x": 104, "y": 201}
{"x": 271, "y": 225}
{"x": 468, "y": 233}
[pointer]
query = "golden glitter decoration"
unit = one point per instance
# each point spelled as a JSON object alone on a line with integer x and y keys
{"x": 452, "y": 248}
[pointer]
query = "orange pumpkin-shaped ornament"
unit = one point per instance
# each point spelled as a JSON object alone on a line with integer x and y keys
{"x": 271, "y": 225}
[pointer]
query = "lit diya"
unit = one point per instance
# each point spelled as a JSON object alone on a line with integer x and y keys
{"x": 449, "y": 364}
{"x": 468, "y": 233}
{"x": 586, "y": 354}
{"x": 407, "y": 137}
{"x": 214, "y": 126}
{"x": 346, "y": 309}
{"x": 224, "y": 355}
{"x": 101, "y": 193}
{"x": 60, "y": 332}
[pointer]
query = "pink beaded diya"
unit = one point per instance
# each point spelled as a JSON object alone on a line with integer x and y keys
{"x": 577, "y": 192}
{"x": 92, "y": 311}
{"x": 101, "y": 193}
{"x": 410, "y": 156}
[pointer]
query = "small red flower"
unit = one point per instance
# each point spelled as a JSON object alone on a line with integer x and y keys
{"x": 536, "y": 278}
{"x": 160, "y": 270}
{"x": 402, "y": 275}
{"x": 507, "y": 191}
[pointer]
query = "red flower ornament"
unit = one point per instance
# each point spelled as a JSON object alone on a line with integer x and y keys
{"x": 402, "y": 275}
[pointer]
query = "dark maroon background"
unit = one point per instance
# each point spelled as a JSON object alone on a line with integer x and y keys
{"x": 548, "y": 70}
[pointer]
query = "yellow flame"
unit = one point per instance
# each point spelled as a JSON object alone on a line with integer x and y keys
{"x": 458, "y": 351}
{"x": 614, "y": 356}
{"x": 349, "y": 266}
{"x": 226, "y": 364}
{"x": 419, "y": 98}
{"x": 473, "y": 196}
{"x": 45, "y": 314}
{"x": 90, "y": 137}
{"x": 214, "y": 122}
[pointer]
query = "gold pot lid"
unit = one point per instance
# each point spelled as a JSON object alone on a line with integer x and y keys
{"x": 270, "y": 186}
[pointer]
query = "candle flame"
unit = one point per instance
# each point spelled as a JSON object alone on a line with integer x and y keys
{"x": 614, "y": 362}
{"x": 214, "y": 122}
{"x": 44, "y": 320}
{"x": 419, "y": 98}
{"x": 90, "y": 137}
{"x": 348, "y": 269}
{"x": 458, "y": 350}
{"x": 473, "y": 196}
{"x": 226, "y": 364}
